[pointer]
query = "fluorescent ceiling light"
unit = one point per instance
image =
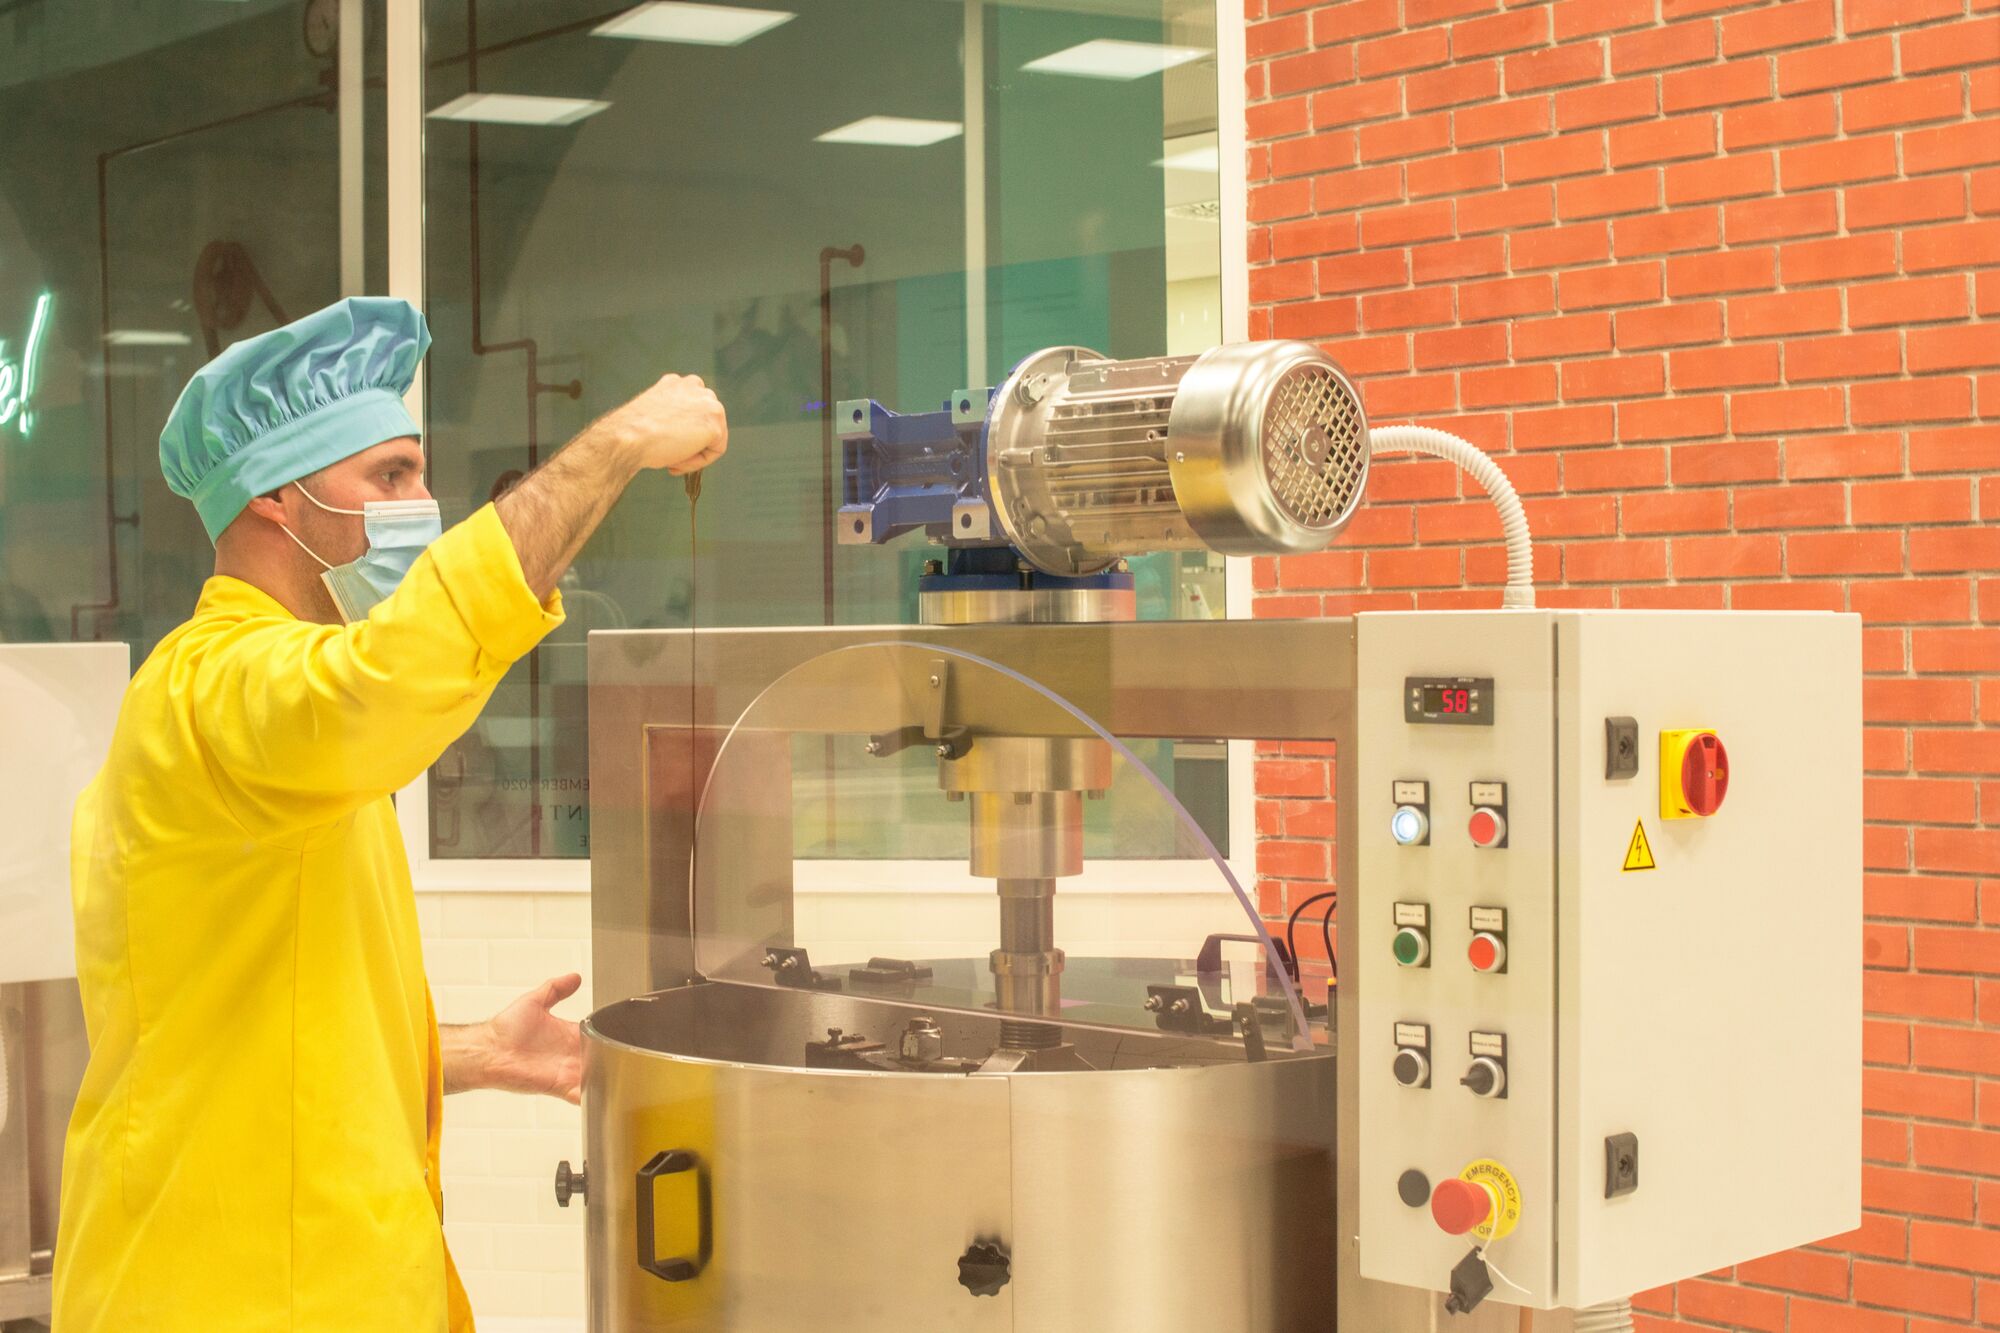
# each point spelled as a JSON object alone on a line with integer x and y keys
{"x": 1207, "y": 159}
{"x": 518, "y": 109}
{"x": 1107, "y": 59}
{"x": 146, "y": 338}
{"x": 895, "y": 131}
{"x": 696, "y": 25}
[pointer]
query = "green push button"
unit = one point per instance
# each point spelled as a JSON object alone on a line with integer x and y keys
{"x": 1411, "y": 947}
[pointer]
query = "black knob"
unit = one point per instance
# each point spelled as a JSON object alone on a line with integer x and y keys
{"x": 1411, "y": 1068}
{"x": 1413, "y": 1187}
{"x": 569, "y": 1183}
{"x": 983, "y": 1269}
{"x": 1483, "y": 1078}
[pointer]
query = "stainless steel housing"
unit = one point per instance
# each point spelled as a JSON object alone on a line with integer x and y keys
{"x": 1252, "y": 448}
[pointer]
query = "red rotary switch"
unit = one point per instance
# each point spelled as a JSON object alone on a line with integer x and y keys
{"x": 1457, "y": 1206}
{"x": 1705, "y": 773}
{"x": 1488, "y": 827}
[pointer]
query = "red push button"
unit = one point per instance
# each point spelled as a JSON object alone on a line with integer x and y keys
{"x": 1457, "y": 1206}
{"x": 1705, "y": 774}
{"x": 1487, "y": 827}
{"x": 1486, "y": 952}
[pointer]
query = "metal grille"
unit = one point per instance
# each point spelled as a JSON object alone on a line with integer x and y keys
{"x": 1314, "y": 456}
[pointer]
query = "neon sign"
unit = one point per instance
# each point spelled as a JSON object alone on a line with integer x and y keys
{"x": 17, "y": 378}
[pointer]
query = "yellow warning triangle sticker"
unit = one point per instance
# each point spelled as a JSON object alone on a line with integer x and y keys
{"x": 1639, "y": 856}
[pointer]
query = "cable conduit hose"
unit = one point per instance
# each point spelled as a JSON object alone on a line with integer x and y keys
{"x": 1520, "y": 590}
{"x": 1610, "y": 1317}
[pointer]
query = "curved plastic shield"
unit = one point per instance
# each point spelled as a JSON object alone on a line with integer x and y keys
{"x": 913, "y": 823}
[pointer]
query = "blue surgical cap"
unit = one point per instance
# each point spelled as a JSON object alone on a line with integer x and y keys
{"x": 284, "y": 404}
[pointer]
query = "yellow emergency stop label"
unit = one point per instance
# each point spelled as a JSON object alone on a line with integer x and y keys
{"x": 1639, "y": 854}
{"x": 1506, "y": 1191}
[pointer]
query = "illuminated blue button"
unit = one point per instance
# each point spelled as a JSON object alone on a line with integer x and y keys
{"x": 1409, "y": 825}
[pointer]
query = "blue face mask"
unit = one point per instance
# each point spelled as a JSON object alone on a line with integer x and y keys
{"x": 398, "y": 531}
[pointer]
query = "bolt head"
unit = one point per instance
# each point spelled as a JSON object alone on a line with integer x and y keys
{"x": 1154, "y": 1004}
{"x": 944, "y": 751}
{"x": 1178, "y": 1007}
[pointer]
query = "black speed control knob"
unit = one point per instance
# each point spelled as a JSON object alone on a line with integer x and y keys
{"x": 1485, "y": 1078}
{"x": 983, "y": 1269}
{"x": 569, "y": 1184}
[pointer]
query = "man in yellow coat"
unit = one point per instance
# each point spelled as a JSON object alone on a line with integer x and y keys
{"x": 256, "y": 1141}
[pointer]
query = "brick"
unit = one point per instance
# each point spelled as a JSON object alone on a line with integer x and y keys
{"x": 1964, "y": 650}
{"x": 1953, "y": 347}
{"x": 1787, "y": 121}
{"x": 1672, "y": 139}
{"x": 1950, "y": 148}
{"x": 1618, "y": 284}
{"x": 1838, "y": 259}
{"x": 1410, "y": 396}
{"x": 1400, "y": 225}
{"x": 1314, "y": 236}
{"x": 1562, "y": 427}
{"x": 1357, "y": 18}
{"x": 1676, "y": 597}
{"x": 1925, "y": 500}
{"x": 1798, "y": 1270}
{"x": 1552, "y": 247}
{"x": 1790, "y": 313}
{"x": 1942, "y": 950}
{"x": 1506, "y": 298}
{"x": 1781, "y": 218}
{"x": 1957, "y": 1048}
{"x": 1727, "y": 557}
{"x": 1507, "y": 386}
{"x": 1480, "y": 256}
{"x": 1324, "y": 151}
{"x": 1274, "y": 120}
{"x": 1681, "y": 324}
{"x": 1662, "y": 48}
{"x": 1674, "y": 511}
{"x": 1511, "y": 119}
{"x": 1907, "y": 301}
{"x": 1503, "y": 32}
{"x": 1454, "y": 173}
{"x": 1569, "y": 335}
{"x": 1905, "y": 102}
{"x": 1530, "y": 71}
{"x": 1615, "y": 377}
{"x": 1854, "y": 356}
{"x": 1606, "y": 104}
{"x": 1402, "y": 52}
{"x": 1904, "y": 1092}
{"x": 1739, "y": 176}
{"x": 1479, "y": 345}
{"x": 1354, "y": 273}
{"x": 1725, "y": 1303}
{"x": 1874, "y": 15}
{"x": 1402, "y": 310}
{"x": 1827, "y": 457}
{"x": 1930, "y": 399}
{"x": 1264, "y": 40}
{"x": 1588, "y": 18}
{"x": 1951, "y": 45}
{"x": 1417, "y": 12}
{"x": 1966, "y": 245}
{"x": 1473, "y": 81}
{"x": 1967, "y": 449}
{"x": 1315, "y": 319}
{"x": 1716, "y": 85}
{"x": 1372, "y": 100}
{"x": 1834, "y": 66}
{"x": 1796, "y": 23}
{"x": 1410, "y": 136}
{"x": 1314, "y": 69}
{"x": 1818, "y": 553}
{"x": 1507, "y": 210}
{"x": 1672, "y": 419}
{"x": 1733, "y": 460}
{"x": 1365, "y": 357}
{"x": 1946, "y": 549}
{"x": 1602, "y": 196}
{"x": 1931, "y": 898}
{"x": 1725, "y": 367}
{"x": 1821, "y": 506}
{"x": 1430, "y": 567}
{"x": 1914, "y": 995}
{"x": 1912, "y": 602}
{"x": 1615, "y": 562}
{"x": 1727, "y": 271}
{"x": 1545, "y": 159}
{"x": 1282, "y": 200}
{"x": 1901, "y": 202}
{"x": 1294, "y": 778}
{"x": 1361, "y": 187}
{"x": 1661, "y": 233}
{"x": 1844, "y": 162}
{"x": 1281, "y": 282}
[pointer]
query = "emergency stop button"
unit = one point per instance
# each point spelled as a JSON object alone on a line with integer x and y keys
{"x": 1694, "y": 773}
{"x": 1457, "y": 1206}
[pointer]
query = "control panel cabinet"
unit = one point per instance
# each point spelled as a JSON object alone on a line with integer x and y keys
{"x": 1609, "y": 942}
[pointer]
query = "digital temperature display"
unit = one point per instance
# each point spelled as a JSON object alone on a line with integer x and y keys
{"x": 1454, "y": 700}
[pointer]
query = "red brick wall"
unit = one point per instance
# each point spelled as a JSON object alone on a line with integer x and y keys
{"x": 1716, "y": 281}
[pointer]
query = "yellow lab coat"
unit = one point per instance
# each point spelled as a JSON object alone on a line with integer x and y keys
{"x": 256, "y": 1142}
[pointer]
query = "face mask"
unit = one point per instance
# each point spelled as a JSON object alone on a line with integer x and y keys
{"x": 398, "y": 531}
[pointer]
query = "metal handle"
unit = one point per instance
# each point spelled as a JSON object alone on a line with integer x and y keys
{"x": 673, "y": 1162}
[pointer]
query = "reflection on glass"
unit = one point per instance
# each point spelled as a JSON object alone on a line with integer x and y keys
{"x": 169, "y": 183}
{"x": 801, "y": 212}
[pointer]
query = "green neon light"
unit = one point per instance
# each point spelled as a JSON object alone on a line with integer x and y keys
{"x": 17, "y": 378}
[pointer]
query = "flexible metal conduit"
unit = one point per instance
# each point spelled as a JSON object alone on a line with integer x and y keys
{"x": 1520, "y": 590}
{"x": 1610, "y": 1317}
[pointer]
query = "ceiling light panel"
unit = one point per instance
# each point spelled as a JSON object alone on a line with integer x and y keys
{"x": 518, "y": 109}
{"x": 691, "y": 24}
{"x": 895, "y": 131}
{"x": 1110, "y": 59}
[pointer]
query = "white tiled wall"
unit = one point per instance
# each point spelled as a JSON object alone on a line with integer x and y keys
{"x": 520, "y": 1255}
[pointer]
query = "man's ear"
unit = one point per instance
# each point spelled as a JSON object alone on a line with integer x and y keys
{"x": 269, "y": 507}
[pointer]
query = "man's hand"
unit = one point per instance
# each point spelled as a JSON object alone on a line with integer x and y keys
{"x": 678, "y": 424}
{"x": 523, "y": 1048}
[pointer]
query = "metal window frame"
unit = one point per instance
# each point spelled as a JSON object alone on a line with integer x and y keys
{"x": 405, "y": 131}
